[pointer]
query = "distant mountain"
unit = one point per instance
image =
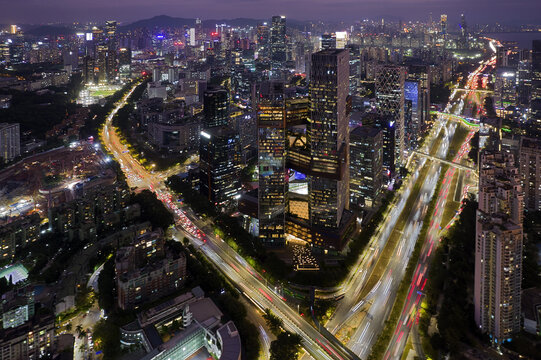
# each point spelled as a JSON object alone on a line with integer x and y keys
{"x": 164, "y": 21}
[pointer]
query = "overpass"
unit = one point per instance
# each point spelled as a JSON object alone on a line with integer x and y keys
{"x": 476, "y": 90}
{"x": 458, "y": 166}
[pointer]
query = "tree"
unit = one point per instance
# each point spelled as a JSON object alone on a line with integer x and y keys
{"x": 80, "y": 332}
{"x": 153, "y": 210}
{"x": 69, "y": 326}
{"x": 286, "y": 346}
{"x": 106, "y": 336}
{"x": 106, "y": 285}
{"x": 273, "y": 322}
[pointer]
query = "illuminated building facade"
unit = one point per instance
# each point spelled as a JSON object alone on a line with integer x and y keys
{"x": 535, "y": 102}
{"x": 365, "y": 165}
{"x": 390, "y": 80}
{"x": 271, "y": 122}
{"x": 10, "y": 141}
{"x": 278, "y": 48}
{"x": 498, "y": 251}
{"x": 417, "y": 98}
{"x": 329, "y": 137}
{"x": 215, "y": 108}
{"x": 530, "y": 172}
{"x": 219, "y": 165}
{"x": 443, "y": 24}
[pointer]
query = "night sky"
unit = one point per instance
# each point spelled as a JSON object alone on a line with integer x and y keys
{"x": 41, "y": 11}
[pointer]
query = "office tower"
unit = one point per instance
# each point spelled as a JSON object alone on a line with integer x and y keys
{"x": 498, "y": 251}
{"x": 88, "y": 69}
{"x": 463, "y": 27}
{"x": 111, "y": 66}
{"x": 10, "y": 141}
{"x": 443, "y": 24}
{"x": 263, "y": 41}
{"x": 417, "y": 101}
{"x": 389, "y": 86}
{"x": 505, "y": 92}
{"x": 13, "y": 29}
{"x": 329, "y": 137}
{"x": 219, "y": 168}
{"x": 328, "y": 41}
{"x": 530, "y": 172}
{"x": 535, "y": 102}
{"x": 272, "y": 192}
{"x": 365, "y": 165}
{"x": 216, "y": 108}
{"x": 110, "y": 34}
{"x": 278, "y": 41}
{"x": 524, "y": 83}
{"x": 124, "y": 63}
{"x": 341, "y": 38}
{"x": 100, "y": 63}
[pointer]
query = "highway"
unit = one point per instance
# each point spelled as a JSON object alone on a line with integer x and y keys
{"x": 410, "y": 312}
{"x": 248, "y": 282}
{"x": 254, "y": 287}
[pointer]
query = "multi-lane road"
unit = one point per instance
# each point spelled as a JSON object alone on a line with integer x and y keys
{"x": 379, "y": 299}
{"x": 246, "y": 279}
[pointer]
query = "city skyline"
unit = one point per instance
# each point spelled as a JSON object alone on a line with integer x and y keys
{"x": 55, "y": 11}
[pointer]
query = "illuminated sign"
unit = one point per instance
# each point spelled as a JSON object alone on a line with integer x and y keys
{"x": 204, "y": 134}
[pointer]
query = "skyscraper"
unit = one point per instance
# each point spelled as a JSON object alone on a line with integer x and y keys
{"x": 498, "y": 251}
{"x": 329, "y": 137}
{"x": 272, "y": 193}
{"x": 530, "y": 172}
{"x": 390, "y": 81}
{"x": 365, "y": 165}
{"x": 535, "y": 102}
{"x": 328, "y": 41}
{"x": 219, "y": 170}
{"x": 10, "y": 141}
{"x": 278, "y": 41}
{"x": 443, "y": 24}
{"x": 216, "y": 108}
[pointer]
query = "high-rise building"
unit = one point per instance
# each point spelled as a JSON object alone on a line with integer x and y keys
{"x": 219, "y": 165}
{"x": 417, "y": 92}
{"x": 530, "y": 172}
{"x": 263, "y": 40}
{"x": 524, "y": 83}
{"x": 10, "y": 141}
{"x": 273, "y": 185}
{"x": 443, "y": 24}
{"x": 329, "y": 137}
{"x": 498, "y": 250}
{"x": 216, "y": 108}
{"x": 365, "y": 165}
{"x": 278, "y": 48}
{"x": 535, "y": 102}
{"x": 390, "y": 102}
{"x": 328, "y": 41}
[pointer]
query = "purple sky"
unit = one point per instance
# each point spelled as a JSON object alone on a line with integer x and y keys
{"x": 34, "y": 11}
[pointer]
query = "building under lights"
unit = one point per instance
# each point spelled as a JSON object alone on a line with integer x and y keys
{"x": 365, "y": 165}
{"x": 219, "y": 166}
{"x": 278, "y": 46}
{"x": 498, "y": 250}
{"x": 390, "y": 80}
{"x": 273, "y": 181}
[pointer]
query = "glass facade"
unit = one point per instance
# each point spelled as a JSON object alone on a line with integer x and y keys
{"x": 329, "y": 137}
{"x": 272, "y": 172}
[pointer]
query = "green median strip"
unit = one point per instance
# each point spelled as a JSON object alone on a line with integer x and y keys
{"x": 379, "y": 348}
